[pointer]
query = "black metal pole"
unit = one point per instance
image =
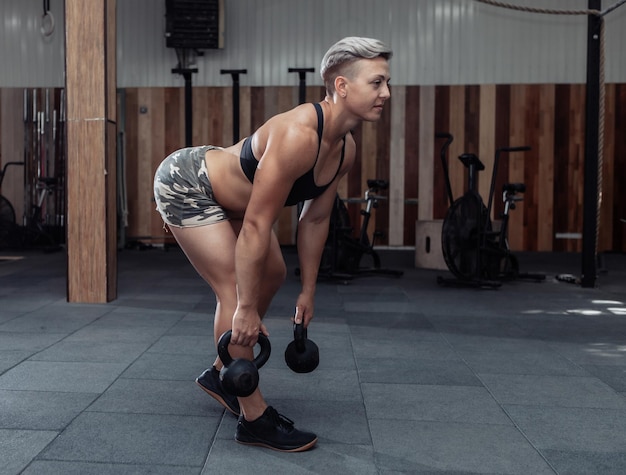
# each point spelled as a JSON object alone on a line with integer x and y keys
{"x": 235, "y": 75}
{"x": 302, "y": 84}
{"x": 186, "y": 74}
{"x": 592, "y": 140}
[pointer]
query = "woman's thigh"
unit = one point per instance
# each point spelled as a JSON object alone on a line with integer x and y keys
{"x": 211, "y": 251}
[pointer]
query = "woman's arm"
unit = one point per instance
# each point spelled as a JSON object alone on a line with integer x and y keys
{"x": 312, "y": 235}
{"x": 275, "y": 175}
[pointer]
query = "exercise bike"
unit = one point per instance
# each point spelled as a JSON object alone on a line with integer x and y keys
{"x": 345, "y": 256}
{"x": 34, "y": 233}
{"x": 475, "y": 253}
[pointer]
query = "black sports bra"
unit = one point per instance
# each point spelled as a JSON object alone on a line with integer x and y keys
{"x": 304, "y": 188}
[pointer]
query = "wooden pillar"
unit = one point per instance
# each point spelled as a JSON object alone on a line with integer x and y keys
{"x": 90, "y": 45}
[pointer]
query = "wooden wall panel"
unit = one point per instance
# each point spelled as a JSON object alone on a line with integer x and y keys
{"x": 457, "y": 129}
{"x": 402, "y": 148}
{"x": 411, "y": 162}
{"x": 545, "y": 179}
{"x": 486, "y": 138}
{"x": 397, "y": 157}
{"x": 442, "y": 125}
{"x": 426, "y": 152}
{"x": 516, "y": 163}
{"x": 502, "y": 139}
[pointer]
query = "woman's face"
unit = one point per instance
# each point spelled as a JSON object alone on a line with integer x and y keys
{"x": 367, "y": 88}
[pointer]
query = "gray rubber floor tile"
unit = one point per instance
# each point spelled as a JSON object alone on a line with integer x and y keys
{"x": 413, "y": 402}
{"x": 572, "y": 429}
{"x": 413, "y": 447}
{"x": 606, "y": 352}
{"x": 84, "y": 351}
{"x": 340, "y": 422}
{"x": 50, "y": 467}
{"x": 404, "y": 345}
{"x": 512, "y": 355}
{"x": 229, "y": 457}
{"x": 55, "y": 319}
{"x": 199, "y": 327}
{"x": 41, "y": 410}
{"x": 28, "y": 342}
{"x": 19, "y": 447}
{"x": 613, "y": 376}
{"x": 587, "y": 463}
{"x": 16, "y": 304}
{"x": 382, "y": 308}
{"x": 166, "y": 366}
{"x": 184, "y": 345}
{"x": 101, "y": 334}
{"x": 466, "y": 325}
{"x": 148, "y": 302}
{"x": 127, "y": 317}
{"x": 565, "y": 391}
{"x": 10, "y": 358}
{"x": 397, "y": 321}
{"x": 61, "y": 376}
{"x": 331, "y": 385}
{"x": 416, "y": 371}
{"x": 134, "y": 439}
{"x": 155, "y": 397}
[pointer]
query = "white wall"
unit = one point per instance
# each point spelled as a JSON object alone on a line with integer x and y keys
{"x": 435, "y": 42}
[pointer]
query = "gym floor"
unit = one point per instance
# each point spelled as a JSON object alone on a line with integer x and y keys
{"x": 414, "y": 377}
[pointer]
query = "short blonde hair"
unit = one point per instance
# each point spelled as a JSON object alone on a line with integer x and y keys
{"x": 347, "y": 51}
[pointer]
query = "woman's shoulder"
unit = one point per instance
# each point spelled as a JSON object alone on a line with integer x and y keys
{"x": 298, "y": 123}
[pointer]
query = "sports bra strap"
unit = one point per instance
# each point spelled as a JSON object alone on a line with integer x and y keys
{"x": 320, "y": 124}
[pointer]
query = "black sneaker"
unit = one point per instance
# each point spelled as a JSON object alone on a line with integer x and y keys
{"x": 274, "y": 431}
{"x": 210, "y": 382}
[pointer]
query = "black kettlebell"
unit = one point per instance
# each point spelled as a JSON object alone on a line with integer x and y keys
{"x": 240, "y": 376}
{"x": 302, "y": 355}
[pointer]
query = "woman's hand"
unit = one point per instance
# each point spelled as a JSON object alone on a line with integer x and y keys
{"x": 247, "y": 325}
{"x": 304, "y": 310}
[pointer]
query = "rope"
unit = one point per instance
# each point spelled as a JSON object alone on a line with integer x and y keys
{"x": 602, "y": 104}
{"x": 521, "y": 8}
{"x": 549, "y": 11}
{"x": 613, "y": 7}
{"x": 600, "y": 132}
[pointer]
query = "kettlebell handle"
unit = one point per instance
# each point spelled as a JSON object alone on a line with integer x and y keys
{"x": 259, "y": 360}
{"x": 300, "y": 337}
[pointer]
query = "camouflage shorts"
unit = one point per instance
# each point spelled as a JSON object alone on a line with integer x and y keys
{"x": 182, "y": 190}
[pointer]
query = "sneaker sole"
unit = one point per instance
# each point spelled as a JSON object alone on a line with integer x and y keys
{"x": 278, "y": 449}
{"x": 218, "y": 398}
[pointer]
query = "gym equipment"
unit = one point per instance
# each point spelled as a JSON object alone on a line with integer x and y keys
{"x": 186, "y": 58}
{"x": 8, "y": 225}
{"x": 344, "y": 254}
{"x": 234, "y": 73}
{"x": 240, "y": 376}
{"x": 476, "y": 254}
{"x": 302, "y": 84}
{"x": 301, "y": 355}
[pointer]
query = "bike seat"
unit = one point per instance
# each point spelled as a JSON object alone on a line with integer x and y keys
{"x": 469, "y": 160}
{"x": 47, "y": 180}
{"x": 378, "y": 184}
{"x": 514, "y": 187}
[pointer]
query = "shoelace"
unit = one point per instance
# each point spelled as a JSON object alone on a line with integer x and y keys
{"x": 280, "y": 420}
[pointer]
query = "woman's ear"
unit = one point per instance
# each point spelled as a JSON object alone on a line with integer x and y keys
{"x": 341, "y": 86}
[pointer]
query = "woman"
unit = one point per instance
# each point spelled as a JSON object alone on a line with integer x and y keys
{"x": 221, "y": 203}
